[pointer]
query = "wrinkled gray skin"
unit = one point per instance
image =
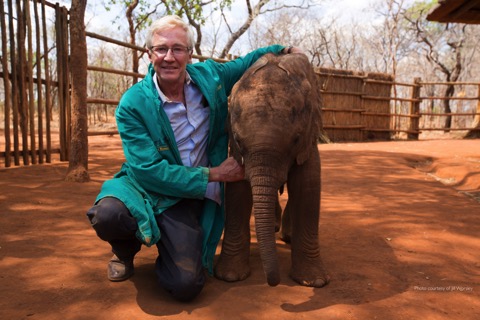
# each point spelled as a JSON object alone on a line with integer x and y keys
{"x": 274, "y": 123}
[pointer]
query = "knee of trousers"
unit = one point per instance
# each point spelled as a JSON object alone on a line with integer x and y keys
{"x": 111, "y": 220}
{"x": 181, "y": 284}
{"x": 187, "y": 287}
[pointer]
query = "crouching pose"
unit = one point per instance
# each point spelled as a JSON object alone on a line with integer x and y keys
{"x": 169, "y": 192}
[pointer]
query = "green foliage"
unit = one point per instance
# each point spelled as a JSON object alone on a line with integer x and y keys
{"x": 418, "y": 12}
{"x": 419, "y": 9}
{"x": 194, "y": 9}
{"x": 141, "y": 13}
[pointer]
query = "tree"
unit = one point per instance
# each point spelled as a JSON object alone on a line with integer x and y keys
{"x": 475, "y": 134}
{"x": 254, "y": 12}
{"x": 78, "y": 157}
{"x": 195, "y": 14}
{"x": 285, "y": 27}
{"x": 392, "y": 40}
{"x": 443, "y": 46}
{"x": 392, "y": 43}
{"x": 139, "y": 13}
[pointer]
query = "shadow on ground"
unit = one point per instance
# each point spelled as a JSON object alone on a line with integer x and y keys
{"x": 397, "y": 244}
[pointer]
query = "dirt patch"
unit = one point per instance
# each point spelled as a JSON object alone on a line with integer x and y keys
{"x": 399, "y": 236}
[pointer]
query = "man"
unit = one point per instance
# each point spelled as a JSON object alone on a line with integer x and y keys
{"x": 169, "y": 191}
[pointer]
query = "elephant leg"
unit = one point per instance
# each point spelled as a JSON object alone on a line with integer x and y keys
{"x": 286, "y": 234}
{"x": 278, "y": 215}
{"x": 304, "y": 187}
{"x": 233, "y": 263}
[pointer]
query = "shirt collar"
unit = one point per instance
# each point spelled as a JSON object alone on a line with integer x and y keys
{"x": 163, "y": 97}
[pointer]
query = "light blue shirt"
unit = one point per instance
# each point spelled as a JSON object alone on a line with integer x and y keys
{"x": 190, "y": 126}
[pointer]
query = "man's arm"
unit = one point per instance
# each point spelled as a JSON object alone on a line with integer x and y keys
{"x": 153, "y": 163}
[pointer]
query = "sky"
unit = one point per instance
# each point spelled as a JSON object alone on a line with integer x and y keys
{"x": 348, "y": 9}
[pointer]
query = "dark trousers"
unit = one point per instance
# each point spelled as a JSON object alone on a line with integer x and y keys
{"x": 179, "y": 264}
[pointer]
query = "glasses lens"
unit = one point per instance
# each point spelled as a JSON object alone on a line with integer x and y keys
{"x": 176, "y": 51}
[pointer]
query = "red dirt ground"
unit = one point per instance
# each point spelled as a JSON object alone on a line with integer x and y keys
{"x": 399, "y": 232}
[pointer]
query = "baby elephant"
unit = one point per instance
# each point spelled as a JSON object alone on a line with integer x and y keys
{"x": 274, "y": 125}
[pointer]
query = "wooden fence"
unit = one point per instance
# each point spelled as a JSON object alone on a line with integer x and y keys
{"x": 371, "y": 106}
{"x": 356, "y": 105}
{"x": 37, "y": 111}
{"x": 32, "y": 83}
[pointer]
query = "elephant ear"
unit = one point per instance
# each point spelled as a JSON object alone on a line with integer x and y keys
{"x": 234, "y": 149}
{"x": 284, "y": 67}
{"x": 312, "y": 114}
{"x": 246, "y": 78}
{"x": 304, "y": 153}
{"x": 293, "y": 64}
{"x": 260, "y": 63}
{"x": 297, "y": 67}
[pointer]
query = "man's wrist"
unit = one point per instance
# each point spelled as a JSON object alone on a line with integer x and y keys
{"x": 212, "y": 176}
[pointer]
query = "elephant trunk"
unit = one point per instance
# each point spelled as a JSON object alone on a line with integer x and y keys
{"x": 264, "y": 192}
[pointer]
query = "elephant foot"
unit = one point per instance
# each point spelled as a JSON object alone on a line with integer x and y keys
{"x": 232, "y": 269}
{"x": 316, "y": 283}
{"x": 311, "y": 277}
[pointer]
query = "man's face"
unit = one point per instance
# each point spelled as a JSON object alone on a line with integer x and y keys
{"x": 170, "y": 55}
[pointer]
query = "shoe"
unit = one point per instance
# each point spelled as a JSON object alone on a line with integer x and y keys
{"x": 119, "y": 270}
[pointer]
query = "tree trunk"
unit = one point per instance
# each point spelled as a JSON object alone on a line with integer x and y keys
{"x": 131, "y": 28}
{"x": 446, "y": 107}
{"x": 78, "y": 160}
{"x": 475, "y": 134}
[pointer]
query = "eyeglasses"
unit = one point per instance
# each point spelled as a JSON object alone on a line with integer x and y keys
{"x": 178, "y": 51}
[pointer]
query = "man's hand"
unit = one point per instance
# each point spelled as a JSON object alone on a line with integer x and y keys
{"x": 228, "y": 171}
{"x": 292, "y": 49}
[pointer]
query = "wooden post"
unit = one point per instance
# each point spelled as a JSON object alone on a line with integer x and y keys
{"x": 67, "y": 88}
{"x": 13, "y": 79}
{"x": 476, "y": 121}
{"x": 415, "y": 110}
{"x": 29, "y": 69}
{"x": 39, "y": 85}
{"x": 6, "y": 85}
{"x": 22, "y": 94}
{"x": 61, "y": 29}
{"x": 48, "y": 107}
{"x": 78, "y": 155}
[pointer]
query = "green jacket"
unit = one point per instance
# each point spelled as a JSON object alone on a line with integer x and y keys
{"x": 153, "y": 177}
